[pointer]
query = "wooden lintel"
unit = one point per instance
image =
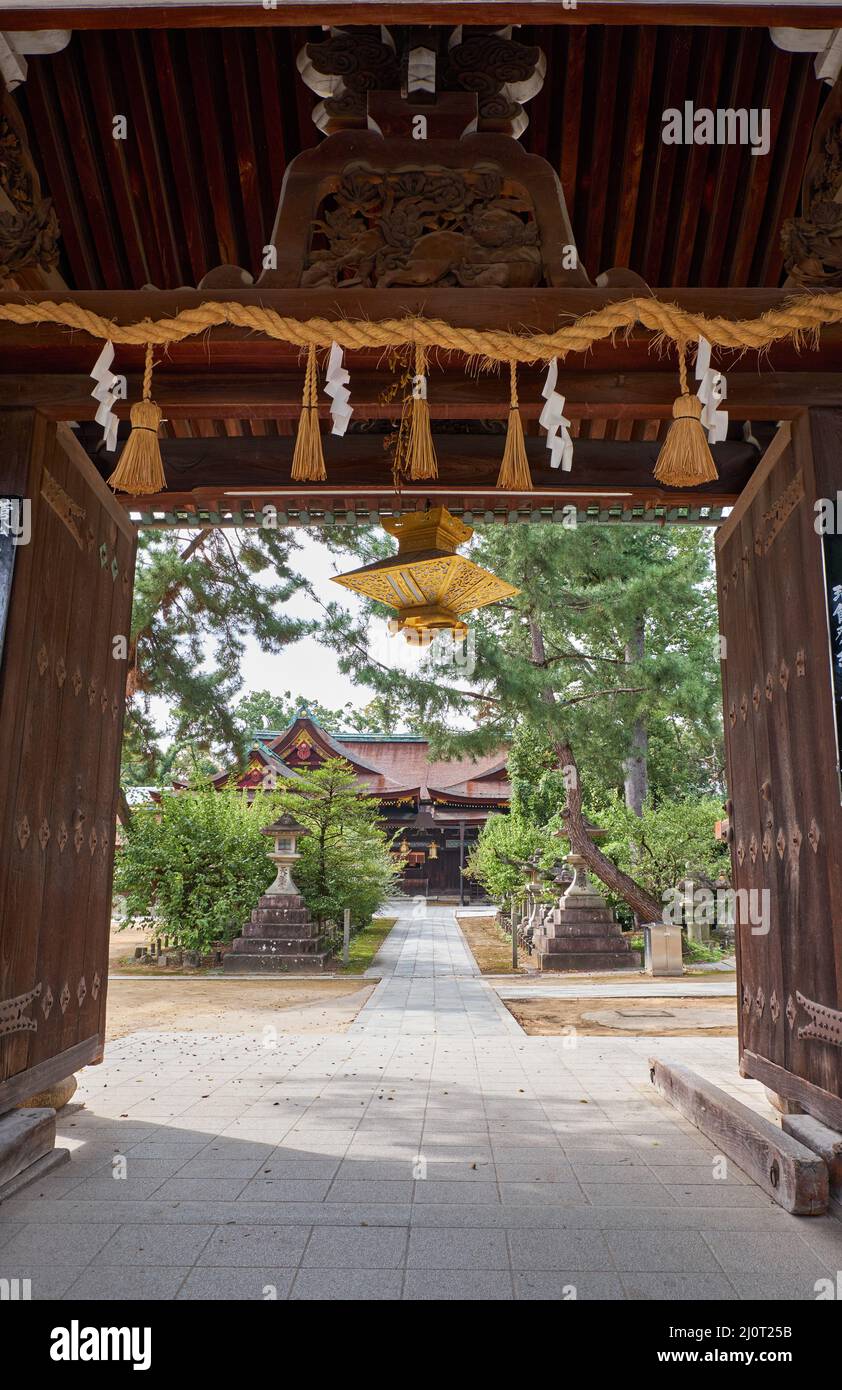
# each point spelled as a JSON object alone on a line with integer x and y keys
{"x": 46, "y": 348}
{"x": 496, "y": 12}
{"x": 234, "y": 472}
{"x": 791, "y": 1174}
{"x": 454, "y": 394}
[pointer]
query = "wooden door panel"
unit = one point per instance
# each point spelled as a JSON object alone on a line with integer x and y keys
{"x": 785, "y": 815}
{"x": 62, "y": 684}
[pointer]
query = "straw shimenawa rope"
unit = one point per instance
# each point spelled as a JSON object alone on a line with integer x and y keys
{"x": 799, "y": 319}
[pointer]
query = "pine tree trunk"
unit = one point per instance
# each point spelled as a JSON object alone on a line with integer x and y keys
{"x": 637, "y": 772}
{"x": 124, "y": 810}
{"x": 644, "y": 906}
{"x": 637, "y": 769}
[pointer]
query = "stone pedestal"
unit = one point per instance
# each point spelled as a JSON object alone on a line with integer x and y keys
{"x": 580, "y": 933}
{"x": 279, "y": 937}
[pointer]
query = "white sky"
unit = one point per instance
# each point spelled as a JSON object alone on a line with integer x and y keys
{"x": 306, "y": 668}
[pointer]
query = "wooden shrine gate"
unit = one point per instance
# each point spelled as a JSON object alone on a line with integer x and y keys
{"x": 62, "y": 693}
{"x": 775, "y": 578}
{"x": 488, "y": 261}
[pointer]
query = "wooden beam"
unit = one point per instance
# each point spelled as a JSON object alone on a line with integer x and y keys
{"x": 814, "y": 1099}
{"x": 497, "y": 12}
{"x": 791, "y": 1174}
{"x": 226, "y": 472}
{"x": 630, "y": 396}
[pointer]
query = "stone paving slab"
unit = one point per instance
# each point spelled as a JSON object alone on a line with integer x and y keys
{"x": 467, "y": 1162}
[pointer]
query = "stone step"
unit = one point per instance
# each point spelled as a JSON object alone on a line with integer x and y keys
{"x": 285, "y": 900}
{"x": 274, "y": 916}
{"x": 586, "y": 960}
{"x": 278, "y": 946}
{"x": 267, "y": 930}
{"x": 612, "y": 941}
{"x": 564, "y": 928}
{"x": 243, "y": 964}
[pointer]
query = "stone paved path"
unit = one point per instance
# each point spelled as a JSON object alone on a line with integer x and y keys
{"x": 432, "y": 1152}
{"x": 431, "y": 983}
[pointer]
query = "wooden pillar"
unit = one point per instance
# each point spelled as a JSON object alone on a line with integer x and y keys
{"x": 461, "y": 863}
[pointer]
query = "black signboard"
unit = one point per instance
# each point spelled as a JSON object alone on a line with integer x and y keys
{"x": 11, "y": 534}
{"x": 833, "y": 581}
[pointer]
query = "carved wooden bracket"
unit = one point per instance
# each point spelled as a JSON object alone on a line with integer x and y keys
{"x": 812, "y": 243}
{"x": 29, "y": 230}
{"x": 345, "y": 67}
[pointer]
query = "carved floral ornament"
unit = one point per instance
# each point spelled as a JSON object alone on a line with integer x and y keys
{"x": 424, "y": 226}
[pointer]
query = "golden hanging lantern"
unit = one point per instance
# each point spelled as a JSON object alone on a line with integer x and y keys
{"x": 427, "y": 583}
{"x": 434, "y": 850}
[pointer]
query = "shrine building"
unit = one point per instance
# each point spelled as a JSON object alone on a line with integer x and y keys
{"x": 438, "y": 806}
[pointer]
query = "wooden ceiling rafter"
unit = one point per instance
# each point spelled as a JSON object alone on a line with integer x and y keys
{"x": 216, "y": 164}
{"x": 215, "y": 121}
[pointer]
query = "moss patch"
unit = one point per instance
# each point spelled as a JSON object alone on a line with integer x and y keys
{"x": 364, "y": 946}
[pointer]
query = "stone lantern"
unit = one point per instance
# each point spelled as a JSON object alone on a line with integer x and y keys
{"x": 287, "y": 833}
{"x": 579, "y": 932}
{"x": 280, "y": 934}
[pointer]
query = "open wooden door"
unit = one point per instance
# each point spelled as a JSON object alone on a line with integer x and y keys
{"x": 62, "y": 688}
{"x": 775, "y": 580}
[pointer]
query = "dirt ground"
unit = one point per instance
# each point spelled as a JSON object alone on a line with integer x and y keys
{"x": 220, "y": 1005}
{"x": 491, "y": 948}
{"x": 547, "y": 1017}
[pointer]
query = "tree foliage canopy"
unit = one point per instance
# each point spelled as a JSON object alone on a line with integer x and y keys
{"x": 562, "y": 658}
{"x": 197, "y": 599}
{"x": 345, "y": 860}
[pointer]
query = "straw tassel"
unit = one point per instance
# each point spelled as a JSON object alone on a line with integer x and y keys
{"x": 514, "y": 470}
{"x": 420, "y": 454}
{"x": 140, "y": 469}
{"x": 308, "y": 461}
{"x": 685, "y": 459}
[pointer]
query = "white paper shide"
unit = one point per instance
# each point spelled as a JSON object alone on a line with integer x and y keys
{"x": 552, "y": 419}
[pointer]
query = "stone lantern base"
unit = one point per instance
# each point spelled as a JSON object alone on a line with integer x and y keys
{"x": 580, "y": 932}
{"x": 280, "y": 937}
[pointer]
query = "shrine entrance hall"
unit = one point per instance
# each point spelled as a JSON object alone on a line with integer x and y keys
{"x": 355, "y": 275}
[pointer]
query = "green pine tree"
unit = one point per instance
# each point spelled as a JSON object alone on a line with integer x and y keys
{"x": 345, "y": 858}
{"x": 608, "y": 650}
{"x": 197, "y": 599}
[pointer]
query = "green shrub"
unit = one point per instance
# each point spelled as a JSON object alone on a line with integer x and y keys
{"x": 197, "y": 863}
{"x": 666, "y": 844}
{"x": 511, "y": 837}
